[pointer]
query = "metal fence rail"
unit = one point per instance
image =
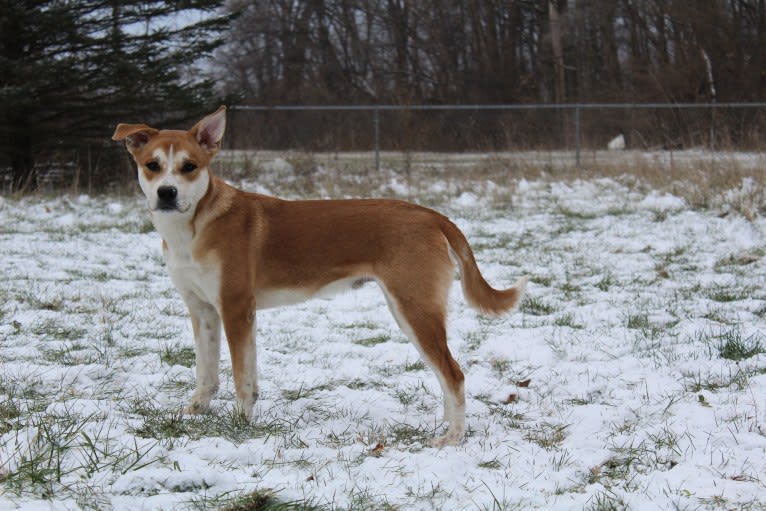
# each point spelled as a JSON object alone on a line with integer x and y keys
{"x": 575, "y": 108}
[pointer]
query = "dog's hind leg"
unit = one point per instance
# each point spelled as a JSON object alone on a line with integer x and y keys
{"x": 207, "y": 350}
{"x": 421, "y": 314}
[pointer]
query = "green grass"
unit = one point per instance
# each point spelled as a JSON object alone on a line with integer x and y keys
{"x": 730, "y": 343}
{"x": 164, "y": 424}
{"x": 638, "y": 321}
{"x": 372, "y": 341}
{"x": 732, "y": 346}
{"x": 52, "y": 329}
{"x": 261, "y": 500}
{"x": 567, "y": 320}
{"x": 735, "y": 378}
{"x": 71, "y": 355}
{"x": 546, "y": 435}
{"x": 606, "y": 501}
{"x": 40, "y": 467}
{"x": 10, "y": 412}
{"x": 177, "y": 355}
{"x": 723, "y": 294}
{"x": 304, "y": 392}
{"x": 606, "y": 282}
{"x": 492, "y": 464}
{"x": 418, "y": 365}
{"x": 536, "y": 307}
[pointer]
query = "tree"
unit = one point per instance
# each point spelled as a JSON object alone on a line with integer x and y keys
{"x": 69, "y": 71}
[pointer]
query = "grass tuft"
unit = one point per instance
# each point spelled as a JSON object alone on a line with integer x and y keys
{"x": 373, "y": 341}
{"x": 177, "y": 355}
{"x": 732, "y": 346}
{"x": 536, "y": 307}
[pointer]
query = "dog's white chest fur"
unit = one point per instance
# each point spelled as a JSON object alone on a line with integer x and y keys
{"x": 194, "y": 279}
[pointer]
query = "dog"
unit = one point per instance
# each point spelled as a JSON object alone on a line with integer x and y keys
{"x": 231, "y": 253}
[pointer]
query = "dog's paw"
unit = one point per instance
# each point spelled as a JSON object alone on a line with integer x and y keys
{"x": 196, "y": 408}
{"x": 199, "y": 403}
{"x": 243, "y": 409}
{"x": 450, "y": 438}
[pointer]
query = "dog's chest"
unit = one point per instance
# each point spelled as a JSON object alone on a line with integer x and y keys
{"x": 195, "y": 280}
{"x": 201, "y": 280}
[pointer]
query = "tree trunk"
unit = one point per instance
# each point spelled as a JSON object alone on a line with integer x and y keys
{"x": 558, "y": 53}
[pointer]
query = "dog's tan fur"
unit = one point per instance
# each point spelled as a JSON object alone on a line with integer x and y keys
{"x": 230, "y": 253}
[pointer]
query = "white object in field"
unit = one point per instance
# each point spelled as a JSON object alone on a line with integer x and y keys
{"x": 617, "y": 143}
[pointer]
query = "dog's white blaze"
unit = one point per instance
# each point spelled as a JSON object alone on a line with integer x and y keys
{"x": 169, "y": 177}
{"x": 179, "y": 158}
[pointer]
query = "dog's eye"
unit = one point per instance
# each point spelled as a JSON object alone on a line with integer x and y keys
{"x": 153, "y": 166}
{"x": 188, "y": 167}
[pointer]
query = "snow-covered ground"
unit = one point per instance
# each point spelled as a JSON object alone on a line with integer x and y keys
{"x": 634, "y": 375}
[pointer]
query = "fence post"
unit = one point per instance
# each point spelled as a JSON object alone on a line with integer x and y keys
{"x": 376, "y": 123}
{"x": 577, "y": 135}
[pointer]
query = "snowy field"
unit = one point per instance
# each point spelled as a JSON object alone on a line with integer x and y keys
{"x": 632, "y": 377}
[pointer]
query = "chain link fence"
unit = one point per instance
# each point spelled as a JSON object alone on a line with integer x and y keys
{"x": 574, "y": 133}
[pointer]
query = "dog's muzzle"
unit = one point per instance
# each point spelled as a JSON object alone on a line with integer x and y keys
{"x": 167, "y": 198}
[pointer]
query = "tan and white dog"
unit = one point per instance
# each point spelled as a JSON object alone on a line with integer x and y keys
{"x": 231, "y": 253}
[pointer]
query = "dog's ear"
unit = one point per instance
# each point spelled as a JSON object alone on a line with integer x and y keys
{"x": 209, "y": 131}
{"x": 135, "y": 135}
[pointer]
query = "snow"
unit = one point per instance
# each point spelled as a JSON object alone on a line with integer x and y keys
{"x": 628, "y": 398}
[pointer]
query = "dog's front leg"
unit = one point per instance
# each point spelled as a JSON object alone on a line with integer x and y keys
{"x": 207, "y": 350}
{"x": 239, "y": 324}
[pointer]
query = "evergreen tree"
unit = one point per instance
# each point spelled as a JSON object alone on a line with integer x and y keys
{"x": 70, "y": 70}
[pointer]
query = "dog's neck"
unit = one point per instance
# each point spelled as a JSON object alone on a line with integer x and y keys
{"x": 179, "y": 228}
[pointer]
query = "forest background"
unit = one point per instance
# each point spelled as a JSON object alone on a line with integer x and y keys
{"x": 69, "y": 71}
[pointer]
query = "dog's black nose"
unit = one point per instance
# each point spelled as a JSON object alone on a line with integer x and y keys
{"x": 167, "y": 193}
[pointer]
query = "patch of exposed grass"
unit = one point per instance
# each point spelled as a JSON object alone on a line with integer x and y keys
{"x": 163, "y": 424}
{"x": 10, "y": 411}
{"x": 734, "y": 261}
{"x": 40, "y": 302}
{"x": 732, "y": 346}
{"x": 261, "y": 500}
{"x": 372, "y": 341}
{"x": 723, "y": 294}
{"x": 607, "y": 281}
{"x": 536, "y": 307}
{"x": 546, "y": 435}
{"x": 304, "y": 392}
{"x": 567, "y": 320}
{"x": 71, "y": 355}
{"x": 51, "y": 329}
{"x": 177, "y": 355}
{"x": 638, "y": 321}
{"x": 492, "y": 464}
{"x": 696, "y": 382}
{"x": 606, "y": 501}
{"x": 410, "y": 435}
{"x": 730, "y": 343}
{"x": 68, "y": 449}
{"x": 418, "y": 365}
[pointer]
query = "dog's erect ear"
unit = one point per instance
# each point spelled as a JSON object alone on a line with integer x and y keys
{"x": 209, "y": 131}
{"x": 135, "y": 135}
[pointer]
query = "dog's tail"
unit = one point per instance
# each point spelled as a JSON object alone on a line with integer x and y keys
{"x": 478, "y": 293}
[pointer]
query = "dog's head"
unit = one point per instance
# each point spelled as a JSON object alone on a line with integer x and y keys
{"x": 173, "y": 165}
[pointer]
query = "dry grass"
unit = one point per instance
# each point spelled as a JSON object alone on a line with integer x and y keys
{"x": 731, "y": 182}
